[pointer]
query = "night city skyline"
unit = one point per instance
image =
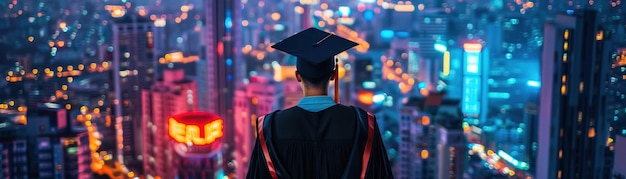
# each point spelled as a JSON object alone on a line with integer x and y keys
{"x": 160, "y": 89}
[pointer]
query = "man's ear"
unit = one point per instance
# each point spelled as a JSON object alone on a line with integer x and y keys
{"x": 298, "y": 77}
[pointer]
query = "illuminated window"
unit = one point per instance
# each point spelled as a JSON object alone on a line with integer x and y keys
{"x": 600, "y": 35}
{"x": 425, "y": 120}
{"x": 563, "y": 90}
{"x": 581, "y": 86}
{"x": 580, "y": 116}
{"x": 591, "y": 133}
{"x": 566, "y": 34}
{"x": 565, "y": 46}
{"x": 472, "y": 68}
{"x": 424, "y": 154}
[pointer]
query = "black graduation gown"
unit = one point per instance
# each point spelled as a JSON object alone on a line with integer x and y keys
{"x": 304, "y": 144}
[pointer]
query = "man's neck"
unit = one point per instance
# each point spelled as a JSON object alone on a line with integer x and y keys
{"x": 315, "y": 92}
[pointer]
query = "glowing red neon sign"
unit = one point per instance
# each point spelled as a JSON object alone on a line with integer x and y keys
{"x": 196, "y": 128}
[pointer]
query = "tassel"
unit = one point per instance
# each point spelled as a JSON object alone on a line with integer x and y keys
{"x": 336, "y": 81}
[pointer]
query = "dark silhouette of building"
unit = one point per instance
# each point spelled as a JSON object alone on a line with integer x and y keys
{"x": 573, "y": 121}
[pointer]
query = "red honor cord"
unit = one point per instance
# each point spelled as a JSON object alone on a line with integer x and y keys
{"x": 266, "y": 153}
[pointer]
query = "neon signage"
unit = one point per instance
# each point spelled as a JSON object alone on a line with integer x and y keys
{"x": 472, "y": 79}
{"x": 185, "y": 133}
{"x": 196, "y": 128}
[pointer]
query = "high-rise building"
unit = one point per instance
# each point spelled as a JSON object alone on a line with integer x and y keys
{"x": 617, "y": 91}
{"x": 432, "y": 141}
{"x": 201, "y": 80}
{"x": 475, "y": 79}
{"x": 134, "y": 69}
{"x": 452, "y": 147}
{"x": 245, "y": 131}
{"x": 13, "y": 152}
{"x": 531, "y": 119}
{"x": 260, "y": 97}
{"x": 451, "y": 144}
{"x": 433, "y": 29}
{"x": 225, "y": 69}
{"x": 171, "y": 94}
{"x": 573, "y": 122}
{"x": 417, "y": 150}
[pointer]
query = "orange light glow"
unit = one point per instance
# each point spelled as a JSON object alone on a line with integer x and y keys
{"x": 185, "y": 133}
{"x": 472, "y": 47}
{"x": 365, "y": 97}
{"x": 275, "y": 16}
{"x": 22, "y": 120}
{"x": 425, "y": 120}
{"x": 424, "y": 154}
{"x": 62, "y": 25}
{"x": 592, "y": 133}
{"x": 424, "y": 92}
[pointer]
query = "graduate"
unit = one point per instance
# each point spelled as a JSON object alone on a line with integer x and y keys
{"x": 318, "y": 138}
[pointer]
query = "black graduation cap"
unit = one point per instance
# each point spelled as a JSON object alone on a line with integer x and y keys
{"x": 315, "y": 50}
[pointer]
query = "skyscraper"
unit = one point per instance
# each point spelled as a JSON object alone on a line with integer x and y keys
{"x": 617, "y": 91}
{"x": 452, "y": 150}
{"x": 475, "y": 75}
{"x": 223, "y": 63}
{"x": 170, "y": 95}
{"x": 433, "y": 29}
{"x": 451, "y": 144}
{"x": 573, "y": 123}
{"x": 134, "y": 67}
{"x": 260, "y": 97}
{"x": 531, "y": 119}
{"x": 432, "y": 142}
{"x": 417, "y": 150}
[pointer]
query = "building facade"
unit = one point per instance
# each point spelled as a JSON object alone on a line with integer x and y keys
{"x": 452, "y": 150}
{"x": 134, "y": 69}
{"x": 170, "y": 95}
{"x": 225, "y": 68}
{"x": 572, "y": 114}
{"x": 45, "y": 148}
{"x": 260, "y": 97}
{"x": 417, "y": 149}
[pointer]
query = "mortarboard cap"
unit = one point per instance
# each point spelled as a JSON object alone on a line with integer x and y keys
{"x": 315, "y": 50}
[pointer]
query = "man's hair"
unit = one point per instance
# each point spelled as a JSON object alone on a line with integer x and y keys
{"x": 320, "y": 82}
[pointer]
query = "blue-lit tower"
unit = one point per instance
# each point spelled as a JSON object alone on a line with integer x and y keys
{"x": 475, "y": 89}
{"x": 222, "y": 30}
